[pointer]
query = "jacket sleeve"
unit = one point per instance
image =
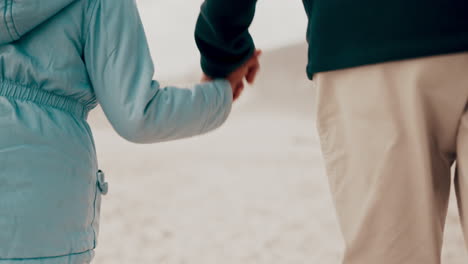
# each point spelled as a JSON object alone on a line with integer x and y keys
{"x": 222, "y": 35}
{"x": 120, "y": 68}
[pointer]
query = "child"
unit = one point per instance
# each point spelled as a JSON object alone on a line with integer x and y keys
{"x": 58, "y": 60}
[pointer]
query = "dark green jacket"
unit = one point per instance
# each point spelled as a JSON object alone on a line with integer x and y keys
{"x": 341, "y": 33}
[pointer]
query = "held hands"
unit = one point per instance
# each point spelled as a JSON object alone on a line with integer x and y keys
{"x": 247, "y": 71}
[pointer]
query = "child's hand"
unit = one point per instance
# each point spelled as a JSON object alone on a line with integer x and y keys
{"x": 248, "y": 71}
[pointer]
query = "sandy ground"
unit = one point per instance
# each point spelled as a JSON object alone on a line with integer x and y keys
{"x": 253, "y": 191}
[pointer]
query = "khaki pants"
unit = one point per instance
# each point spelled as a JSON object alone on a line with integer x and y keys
{"x": 390, "y": 133}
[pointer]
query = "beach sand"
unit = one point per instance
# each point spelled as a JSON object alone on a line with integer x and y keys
{"x": 252, "y": 192}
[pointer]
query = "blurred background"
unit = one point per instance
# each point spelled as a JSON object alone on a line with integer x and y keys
{"x": 254, "y": 191}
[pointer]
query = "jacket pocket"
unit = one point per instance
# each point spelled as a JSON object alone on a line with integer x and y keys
{"x": 102, "y": 187}
{"x": 51, "y": 213}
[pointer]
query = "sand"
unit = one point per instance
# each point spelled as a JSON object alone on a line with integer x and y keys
{"x": 252, "y": 192}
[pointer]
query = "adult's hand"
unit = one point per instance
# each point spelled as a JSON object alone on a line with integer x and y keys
{"x": 247, "y": 71}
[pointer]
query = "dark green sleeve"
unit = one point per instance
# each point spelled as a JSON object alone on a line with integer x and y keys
{"x": 222, "y": 35}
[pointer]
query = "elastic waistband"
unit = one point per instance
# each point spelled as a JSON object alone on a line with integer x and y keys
{"x": 41, "y": 97}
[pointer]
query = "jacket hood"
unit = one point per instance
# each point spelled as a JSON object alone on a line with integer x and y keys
{"x": 18, "y": 17}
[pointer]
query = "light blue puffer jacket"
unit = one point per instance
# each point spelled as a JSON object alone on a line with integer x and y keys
{"x": 58, "y": 60}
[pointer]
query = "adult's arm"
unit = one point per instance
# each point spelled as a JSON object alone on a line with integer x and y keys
{"x": 222, "y": 35}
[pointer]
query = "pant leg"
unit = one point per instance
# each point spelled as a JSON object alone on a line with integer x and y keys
{"x": 388, "y": 137}
{"x": 461, "y": 174}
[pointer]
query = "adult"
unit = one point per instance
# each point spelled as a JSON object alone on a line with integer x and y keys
{"x": 391, "y": 113}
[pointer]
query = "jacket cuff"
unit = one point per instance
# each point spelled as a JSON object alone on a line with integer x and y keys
{"x": 222, "y": 108}
{"x": 226, "y": 91}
